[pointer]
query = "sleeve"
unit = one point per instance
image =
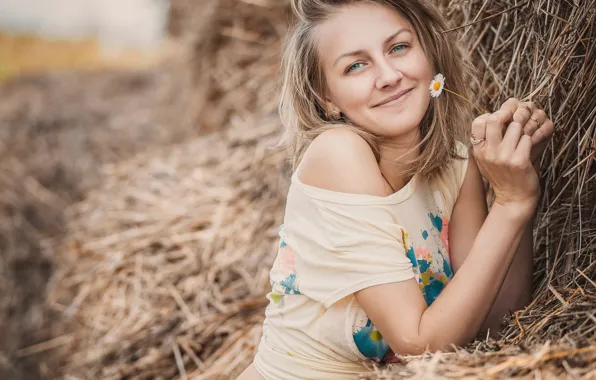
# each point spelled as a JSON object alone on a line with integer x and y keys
{"x": 342, "y": 248}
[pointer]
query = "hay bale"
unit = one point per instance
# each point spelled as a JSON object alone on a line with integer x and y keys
{"x": 168, "y": 257}
{"x": 55, "y": 132}
{"x": 28, "y": 215}
{"x": 198, "y": 303}
{"x": 235, "y": 59}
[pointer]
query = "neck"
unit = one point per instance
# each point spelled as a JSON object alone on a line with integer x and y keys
{"x": 393, "y": 156}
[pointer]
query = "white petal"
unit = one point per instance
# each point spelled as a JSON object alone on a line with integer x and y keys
{"x": 436, "y": 93}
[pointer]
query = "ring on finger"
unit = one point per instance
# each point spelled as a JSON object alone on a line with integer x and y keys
{"x": 474, "y": 140}
{"x": 526, "y": 107}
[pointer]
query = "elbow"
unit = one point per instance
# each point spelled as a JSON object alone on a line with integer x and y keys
{"x": 409, "y": 344}
{"x": 413, "y": 348}
{"x": 419, "y": 344}
{"x": 420, "y": 348}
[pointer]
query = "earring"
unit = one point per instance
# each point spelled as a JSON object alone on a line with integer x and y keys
{"x": 335, "y": 115}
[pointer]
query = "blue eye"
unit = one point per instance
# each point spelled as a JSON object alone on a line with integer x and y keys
{"x": 393, "y": 49}
{"x": 353, "y": 67}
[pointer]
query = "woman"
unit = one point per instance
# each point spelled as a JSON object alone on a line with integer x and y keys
{"x": 387, "y": 245}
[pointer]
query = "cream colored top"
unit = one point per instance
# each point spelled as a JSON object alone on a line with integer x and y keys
{"x": 333, "y": 244}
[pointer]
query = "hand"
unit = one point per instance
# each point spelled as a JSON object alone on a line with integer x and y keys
{"x": 536, "y": 125}
{"x": 503, "y": 157}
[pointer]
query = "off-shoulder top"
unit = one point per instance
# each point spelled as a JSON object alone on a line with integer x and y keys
{"x": 334, "y": 244}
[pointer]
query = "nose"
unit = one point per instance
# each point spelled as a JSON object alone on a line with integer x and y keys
{"x": 387, "y": 75}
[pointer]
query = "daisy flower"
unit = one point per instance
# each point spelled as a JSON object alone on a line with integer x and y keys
{"x": 437, "y": 85}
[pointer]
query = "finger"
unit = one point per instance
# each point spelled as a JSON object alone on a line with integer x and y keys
{"x": 494, "y": 128}
{"x": 512, "y": 136}
{"x": 543, "y": 133}
{"x": 479, "y": 126}
{"x": 535, "y": 122}
{"x": 524, "y": 111}
{"x": 531, "y": 126}
{"x": 510, "y": 105}
{"x": 524, "y": 147}
{"x": 539, "y": 116}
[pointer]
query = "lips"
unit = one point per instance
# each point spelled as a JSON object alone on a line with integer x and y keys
{"x": 394, "y": 97}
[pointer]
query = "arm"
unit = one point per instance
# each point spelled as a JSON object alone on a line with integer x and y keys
{"x": 469, "y": 213}
{"x": 339, "y": 160}
{"x": 470, "y": 210}
{"x": 516, "y": 292}
{"x": 458, "y": 313}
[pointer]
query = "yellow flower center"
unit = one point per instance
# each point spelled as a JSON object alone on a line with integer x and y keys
{"x": 436, "y": 86}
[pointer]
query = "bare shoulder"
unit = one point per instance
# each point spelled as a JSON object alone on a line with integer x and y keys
{"x": 340, "y": 160}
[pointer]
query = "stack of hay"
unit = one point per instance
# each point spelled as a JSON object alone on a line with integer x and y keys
{"x": 55, "y": 133}
{"x": 168, "y": 258}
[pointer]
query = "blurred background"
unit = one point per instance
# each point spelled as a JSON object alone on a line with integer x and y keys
{"x": 42, "y": 35}
{"x": 140, "y": 197}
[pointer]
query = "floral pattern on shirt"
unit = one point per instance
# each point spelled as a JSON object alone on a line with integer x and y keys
{"x": 283, "y": 277}
{"x": 432, "y": 271}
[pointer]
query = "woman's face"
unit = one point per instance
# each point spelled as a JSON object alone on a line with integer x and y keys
{"x": 369, "y": 55}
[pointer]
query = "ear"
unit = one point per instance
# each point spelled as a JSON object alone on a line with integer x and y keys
{"x": 331, "y": 107}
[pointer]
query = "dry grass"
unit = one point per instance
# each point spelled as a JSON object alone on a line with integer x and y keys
{"x": 55, "y": 133}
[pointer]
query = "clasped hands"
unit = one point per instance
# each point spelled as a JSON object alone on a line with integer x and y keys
{"x": 508, "y": 145}
{"x": 534, "y": 123}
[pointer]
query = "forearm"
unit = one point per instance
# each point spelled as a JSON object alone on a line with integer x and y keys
{"x": 516, "y": 292}
{"x": 458, "y": 313}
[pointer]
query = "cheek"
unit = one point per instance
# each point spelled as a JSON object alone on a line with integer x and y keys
{"x": 418, "y": 66}
{"x": 424, "y": 71}
{"x": 424, "y": 97}
{"x": 352, "y": 93}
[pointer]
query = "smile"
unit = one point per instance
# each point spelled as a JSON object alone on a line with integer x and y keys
{"x": 395, "y": 100}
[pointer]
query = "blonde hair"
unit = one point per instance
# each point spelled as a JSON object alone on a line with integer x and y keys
{"x": 302, "y": 106}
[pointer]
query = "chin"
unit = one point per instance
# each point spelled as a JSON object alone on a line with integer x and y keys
{"x": 393, "y": 125}
{"x": 401, "y": 130}
{"x": 399, "y": 126}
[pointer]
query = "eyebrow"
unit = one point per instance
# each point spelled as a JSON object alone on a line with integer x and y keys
{"x": 356, "y": 52}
